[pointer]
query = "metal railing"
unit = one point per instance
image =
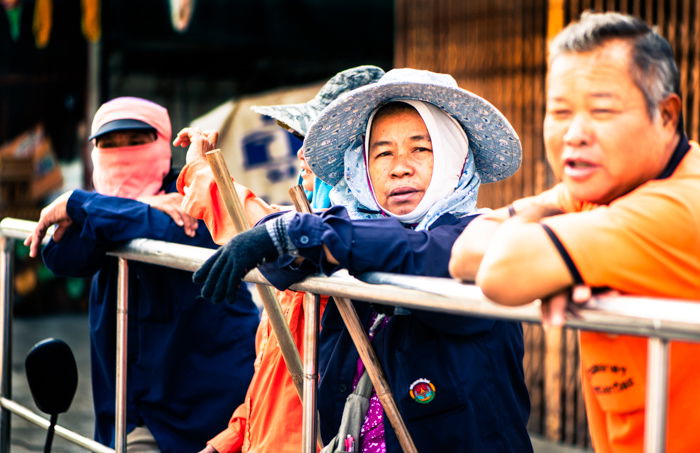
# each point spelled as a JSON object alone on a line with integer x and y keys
{"x": 661, "y": 320}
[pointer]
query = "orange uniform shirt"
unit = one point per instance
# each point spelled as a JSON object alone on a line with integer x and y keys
{"x": 645, "y": 243}
{"x": 270, "y": 418}
{"x": 202, "y": 200}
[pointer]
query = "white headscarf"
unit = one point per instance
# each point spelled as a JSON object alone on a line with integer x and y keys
{"x": 454, "y": 184}
{"x": 452, "y": 145}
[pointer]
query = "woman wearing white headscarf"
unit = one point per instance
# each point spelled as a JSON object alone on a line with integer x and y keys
{"x": 406, "y": 156}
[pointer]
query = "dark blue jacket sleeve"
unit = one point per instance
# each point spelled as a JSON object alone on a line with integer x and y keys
{"x": 384, "y": 245}
{"x": 101, "y": 223}
{"x": 375, "y": 244}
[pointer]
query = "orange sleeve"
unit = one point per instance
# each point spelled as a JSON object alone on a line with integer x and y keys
{"x": 230, "y": 440}
{"x": 644, "y": 242}
{"x": 202, "y": 200}
{"x": 556, "y": 196}
{"x": 638, "y": 244}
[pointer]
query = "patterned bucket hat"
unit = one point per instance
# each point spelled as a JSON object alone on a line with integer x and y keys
{"x": 341, "y": 126}
{"x": 300, "y": 116}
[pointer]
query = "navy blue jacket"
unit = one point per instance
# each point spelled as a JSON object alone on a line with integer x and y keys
{"x": 480, "y": 401}
{"x": 189, "y": 360}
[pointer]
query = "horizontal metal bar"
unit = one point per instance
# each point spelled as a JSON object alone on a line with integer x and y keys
{"x": 38, "y": 420}
{"x": 16, "y": 228}
{"x": 654, "y": 317}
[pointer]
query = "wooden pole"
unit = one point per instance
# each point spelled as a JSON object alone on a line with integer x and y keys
{"x": 374, "y": 370}
{"x": 269, "y": 301}
{"x": 301, "y": 204}
{"x": 311, "y": 327}
{"x": 364, "y": 348}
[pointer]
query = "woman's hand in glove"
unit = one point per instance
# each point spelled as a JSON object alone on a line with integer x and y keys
{"x": 222, "y": 273}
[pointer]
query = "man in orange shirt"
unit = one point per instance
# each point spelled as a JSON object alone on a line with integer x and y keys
{"x": 270, "y": 418}
{"x": 625, "y": 216}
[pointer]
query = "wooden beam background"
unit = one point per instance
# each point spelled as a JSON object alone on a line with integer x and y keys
{"x": 497, "y": 49}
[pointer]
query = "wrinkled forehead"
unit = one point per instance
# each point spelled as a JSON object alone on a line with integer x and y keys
{"x": 402, "y": 123}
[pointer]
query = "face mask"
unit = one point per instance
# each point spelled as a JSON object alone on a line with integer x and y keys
{"x": 131, "y": 171}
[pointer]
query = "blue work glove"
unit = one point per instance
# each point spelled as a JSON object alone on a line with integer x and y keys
{"x": 222, "y": 273}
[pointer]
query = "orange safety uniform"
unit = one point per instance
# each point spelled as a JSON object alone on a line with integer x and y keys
{"x": 202, "y": 200}
{"x": 270, "y": 418}
{"x": 644, "y": 243}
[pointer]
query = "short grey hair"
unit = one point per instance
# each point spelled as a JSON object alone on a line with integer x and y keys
{"x": 653, "y": 67}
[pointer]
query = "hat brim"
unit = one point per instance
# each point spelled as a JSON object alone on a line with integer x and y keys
{"x": 492, "y": 139}
{"x": 294, "y": 116}
{"x": 122, "y": 125}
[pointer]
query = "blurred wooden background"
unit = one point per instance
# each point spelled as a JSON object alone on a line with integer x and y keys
{"x": 497, "y": 49}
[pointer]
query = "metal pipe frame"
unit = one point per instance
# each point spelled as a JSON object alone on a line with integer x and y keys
{"x": 672, "y": 319}
{"x": 660, "y": 319}
{"x": 27, "y": 414}
{"x": 656, "y": 396}
{"x": 121, "y": 363}
{"x": 6, "y": 293}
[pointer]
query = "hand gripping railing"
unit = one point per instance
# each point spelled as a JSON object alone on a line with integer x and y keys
{"x": 659, "y": 319}
{"x": 10, "y": 230}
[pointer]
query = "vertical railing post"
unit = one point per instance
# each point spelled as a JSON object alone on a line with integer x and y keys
{"x": 6, "y": 265}
{"x": 553, "y": 380}
{"x": 309, "y": 426}
{"x": 656, "y": 396}
{"x": 121, "y": 365}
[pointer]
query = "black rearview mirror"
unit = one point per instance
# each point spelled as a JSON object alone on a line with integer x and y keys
{"x": 52, "y": 375}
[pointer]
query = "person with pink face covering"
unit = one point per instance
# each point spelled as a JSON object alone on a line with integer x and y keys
{"x": 189, "y": 360}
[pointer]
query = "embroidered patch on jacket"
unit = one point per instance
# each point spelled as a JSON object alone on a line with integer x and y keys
{"x": 422, "y": 391}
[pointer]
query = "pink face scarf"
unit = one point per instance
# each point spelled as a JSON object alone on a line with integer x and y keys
{"x": 132, "y": 171}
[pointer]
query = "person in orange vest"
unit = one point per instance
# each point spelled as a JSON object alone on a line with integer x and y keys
{"x": 625, "y": 216}
{"x": 270, "y": 418}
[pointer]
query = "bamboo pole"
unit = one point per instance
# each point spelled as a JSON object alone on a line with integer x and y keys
{"x": 301, "y": 204}
{"x": 364, "y": 348}
{"x": 374, "y": 370}
{"x": 269, "y": 301}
